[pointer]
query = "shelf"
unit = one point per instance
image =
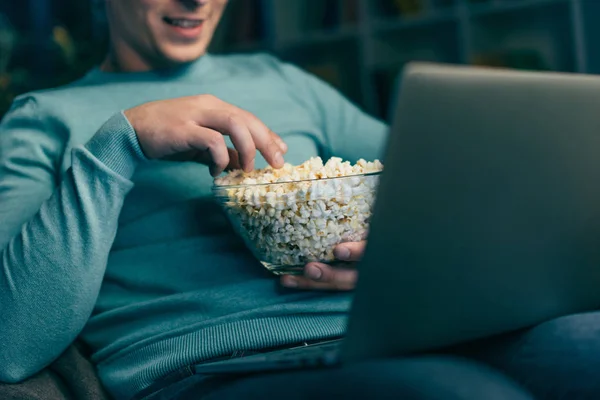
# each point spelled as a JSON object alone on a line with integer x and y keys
{"x": 508, "y": 6}
{"x": 533, "y": 38}
{"x": 383, "y": 25}
{"x": 320, "y": 37}
{"x": 376, "y": 39}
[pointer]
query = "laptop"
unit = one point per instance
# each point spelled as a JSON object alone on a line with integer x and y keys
{"x": 487, "y": 218}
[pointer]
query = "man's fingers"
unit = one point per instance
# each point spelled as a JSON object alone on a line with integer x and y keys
{"x": 204, "y": 157}
{"x": 270, "y": 145}
{"x": 246, "y": 151}
{"x": 282, "y": 145}
{"x": 234, "y": 160}
{"x": 247, "y": 133}
{"x": 229, "y": 122}
{"x": 210, "y": 141}
{"x": 352, "y": 251}
{"x": 336, "y": 276}
{"x": 323, "y": 277}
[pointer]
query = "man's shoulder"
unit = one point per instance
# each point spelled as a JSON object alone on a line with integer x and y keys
{"x": 52, "y": 98}
{"x": 265, "y": 65}
{"x": 250, "y": 64}
{"x": 77, "y": 109}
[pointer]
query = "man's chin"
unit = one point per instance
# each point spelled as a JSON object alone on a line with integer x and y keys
{"x": 176, "y": 57}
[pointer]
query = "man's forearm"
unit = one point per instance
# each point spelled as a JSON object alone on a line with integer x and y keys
{"x": 51, "y": 271}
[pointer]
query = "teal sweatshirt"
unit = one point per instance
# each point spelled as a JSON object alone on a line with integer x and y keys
{"x": 134, "y": 256}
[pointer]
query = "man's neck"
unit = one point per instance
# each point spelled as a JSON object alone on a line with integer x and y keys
{"x": 124, "y": 59}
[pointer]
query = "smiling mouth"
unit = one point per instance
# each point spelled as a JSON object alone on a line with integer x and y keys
{"x": 183, "y": 22}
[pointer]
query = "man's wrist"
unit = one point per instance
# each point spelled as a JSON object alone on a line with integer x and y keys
{"x": 116, "y": 146}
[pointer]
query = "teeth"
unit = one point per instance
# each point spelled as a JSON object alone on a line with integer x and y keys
{"x": 184, "y": 23}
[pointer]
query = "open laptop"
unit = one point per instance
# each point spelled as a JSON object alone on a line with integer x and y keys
{"x": 487, "y": 217}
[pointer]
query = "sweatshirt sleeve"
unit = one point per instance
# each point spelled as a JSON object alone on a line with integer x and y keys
{"x": 351, "y": 133}
{"x": 55, "y": 237}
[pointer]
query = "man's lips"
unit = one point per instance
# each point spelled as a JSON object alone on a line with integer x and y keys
{"x": 185, "y": 28}
{"x": 184, "y": 23}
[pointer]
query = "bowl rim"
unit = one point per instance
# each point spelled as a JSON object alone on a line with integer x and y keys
{"x": 217, "y": 187}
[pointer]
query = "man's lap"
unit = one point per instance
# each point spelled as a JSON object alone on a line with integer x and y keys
{"x": 556, "y": 359}
{"x": 427, "y": 377}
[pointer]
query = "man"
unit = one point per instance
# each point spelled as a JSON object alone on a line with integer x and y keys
{"x": 109, "y": 233}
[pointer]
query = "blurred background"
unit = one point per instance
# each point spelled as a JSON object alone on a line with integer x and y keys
{"x": 359, "y": 46}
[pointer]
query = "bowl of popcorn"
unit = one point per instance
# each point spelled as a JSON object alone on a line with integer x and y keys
{"x": 298, "y": 214}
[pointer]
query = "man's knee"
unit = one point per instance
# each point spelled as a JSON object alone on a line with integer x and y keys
{"x": 556, "y": 359}
{"x": 428, "y": 378}
{"x": 421, "y": 378}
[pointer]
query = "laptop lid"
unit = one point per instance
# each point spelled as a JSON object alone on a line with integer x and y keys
{"x": 488, "y": 213}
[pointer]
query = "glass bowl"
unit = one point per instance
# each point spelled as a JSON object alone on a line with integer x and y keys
{"x": 288, "y": 224}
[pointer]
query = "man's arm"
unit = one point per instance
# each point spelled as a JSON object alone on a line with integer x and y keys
{"x": 55, "y": 237}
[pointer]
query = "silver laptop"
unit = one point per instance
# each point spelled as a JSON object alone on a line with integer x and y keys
{"x": 487, "y": 217}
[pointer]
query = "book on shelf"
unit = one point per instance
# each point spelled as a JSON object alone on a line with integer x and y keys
{"x": 339, "y": 74}
{"x": 329, "y": 72}
{"x": 349, "y": 12}
{"x": 286, "y": 16}
{"x": 321, "y": 15}
{"x": 385, "y": 80}
{"x": 526, "y": 59}
{"x": 242, "y": 24}
{"x": 248, "y": 22}
{"x": 330, "y": 14}
{"x": 401, "y": 8}
{"x": 437, "y": 4}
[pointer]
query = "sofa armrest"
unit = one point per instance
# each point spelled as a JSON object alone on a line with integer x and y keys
{"x": 71, "y": 376}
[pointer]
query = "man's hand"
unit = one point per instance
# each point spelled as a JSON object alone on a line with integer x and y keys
{"x": 192, "y": 128}
{"x": 325, "y": 277}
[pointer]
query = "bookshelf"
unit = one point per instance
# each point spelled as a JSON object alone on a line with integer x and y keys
{"x": 360, "y": 46}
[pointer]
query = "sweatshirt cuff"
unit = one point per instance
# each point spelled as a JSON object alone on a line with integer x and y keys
{"x": 116, "y": 145}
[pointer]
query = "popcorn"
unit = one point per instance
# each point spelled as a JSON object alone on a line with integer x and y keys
{"x": 296, "y": 214}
